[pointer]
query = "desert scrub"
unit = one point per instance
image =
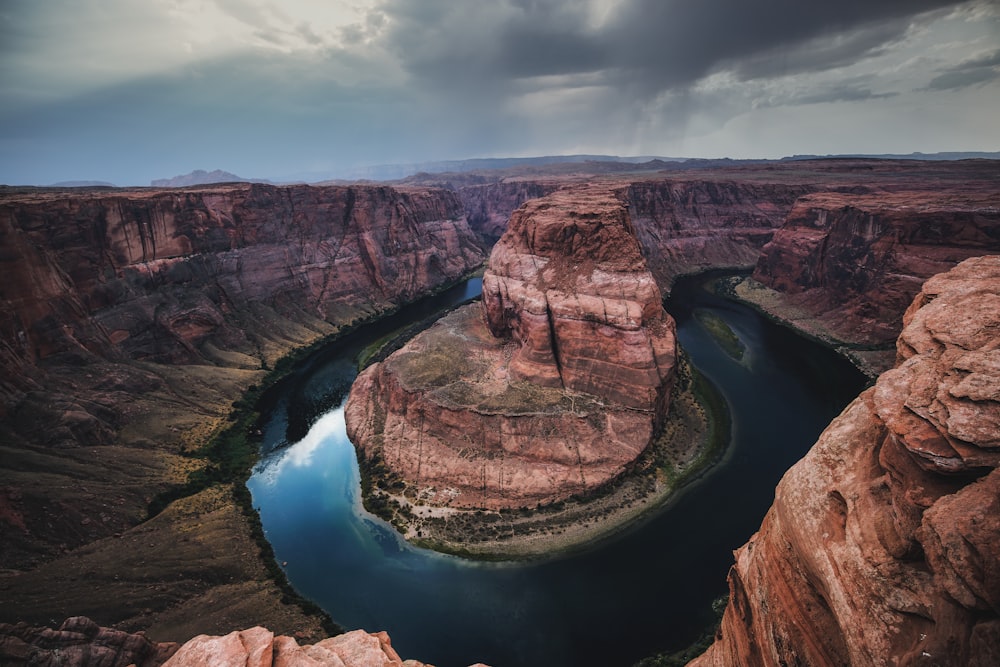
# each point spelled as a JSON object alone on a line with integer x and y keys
{"x": 721, "y": 333}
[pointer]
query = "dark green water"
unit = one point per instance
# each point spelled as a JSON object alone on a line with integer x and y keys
{"x": 647, "y": 590}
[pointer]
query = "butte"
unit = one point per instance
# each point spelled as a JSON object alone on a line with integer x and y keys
{"x": 551, "y": 387}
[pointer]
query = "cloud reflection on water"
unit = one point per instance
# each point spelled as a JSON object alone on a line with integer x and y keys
{"x": 300, "y": 454}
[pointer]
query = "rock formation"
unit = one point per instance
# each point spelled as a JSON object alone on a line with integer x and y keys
{"x": 80, "y": 642}
{"x": 133, "y": 318}
{"x": 855, "y": 261}
{"x": 259, "y": 647}
{"x": 553, "y": 389}
{"x": 686, "y": 226}
{"x": 488, "y": 206}
{"x": 883, "y": 543}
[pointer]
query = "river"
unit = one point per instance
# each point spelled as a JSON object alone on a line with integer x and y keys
{"x": 647, "y": 590}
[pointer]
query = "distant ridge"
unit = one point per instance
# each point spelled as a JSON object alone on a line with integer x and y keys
{"x": 952, "y": 155}
{"x": 202, "y": 177}
{"x": 82, "y": 184}
{"x": 422, "y": 170}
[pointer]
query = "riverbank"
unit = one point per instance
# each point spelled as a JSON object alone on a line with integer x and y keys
{"x": 193, "y": 557}
{"x": 694, "y": 436}
{"x": 781, "y": 309}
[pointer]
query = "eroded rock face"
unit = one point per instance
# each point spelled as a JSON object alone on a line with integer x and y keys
{"x": 80, "y": 642}
{"x": 685, "y": 226}
{"x": 157, "y": 275}
{"x": 553, "y": 387}
{"x": 133, "y": 319}
{"x": 883, "y": 543}
{"x": 569, "y": 284}
{"x": 488, "y": 206}
{"x": 857, "y": 261}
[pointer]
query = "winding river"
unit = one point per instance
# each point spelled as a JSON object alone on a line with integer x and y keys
{"x": 646, "y": 590}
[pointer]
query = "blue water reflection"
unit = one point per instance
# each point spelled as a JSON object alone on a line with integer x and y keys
{"x": 647, "y": 590}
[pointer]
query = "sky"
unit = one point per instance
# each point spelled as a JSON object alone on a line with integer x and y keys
{"x": 127, "y": 91}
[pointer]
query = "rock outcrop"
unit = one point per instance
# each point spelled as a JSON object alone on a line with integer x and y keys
{"x": 80, "y": 642}
{"x": 855, "y": 261}
{"x": 686, "y": 226}
{"x": 883, "y": 543}
{"x": 553, "y": 389}
{"x": 259, "y": 647}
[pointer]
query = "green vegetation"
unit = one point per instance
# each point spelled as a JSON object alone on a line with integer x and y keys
{"x": 721, "y": 333}
{"x": 716, "y": 417}
{"x": 229, "y": 457}
{"x": 231, "y": 453}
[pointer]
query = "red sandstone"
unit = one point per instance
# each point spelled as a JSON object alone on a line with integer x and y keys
{"x": 561, "y": 389}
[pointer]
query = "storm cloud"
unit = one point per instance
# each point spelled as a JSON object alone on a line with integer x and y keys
{"x": 127, "y": 92}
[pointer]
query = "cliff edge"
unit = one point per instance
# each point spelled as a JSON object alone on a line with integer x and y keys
{"x": 882, "y": 545}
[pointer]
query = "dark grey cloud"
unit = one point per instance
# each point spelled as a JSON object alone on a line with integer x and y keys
{"x": 974, "y": 71}
{"x": 847, "y": 92}
{"x": 657, "y": 44}
{"x": 824, "y": 52}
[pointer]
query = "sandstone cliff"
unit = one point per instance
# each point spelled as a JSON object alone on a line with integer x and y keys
{"x": 134, "y": 318}
{"x": 488, "y": 206}
{"x": 685, "y": 226}
{"x": 554, "y": 389}
{"x": 883, "y": 542}
{"x": 855, "y": 261}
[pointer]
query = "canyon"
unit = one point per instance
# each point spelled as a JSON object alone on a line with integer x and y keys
{"x": 134, "y": 318}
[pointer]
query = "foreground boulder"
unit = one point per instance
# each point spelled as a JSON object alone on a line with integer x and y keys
{"x": 883, "y": 543}
{"x": 552, "y": 387}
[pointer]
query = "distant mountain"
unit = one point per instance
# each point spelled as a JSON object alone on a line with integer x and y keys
{"x": 202, "y": 177}
{"x": 395, "y": 172}
{"x": 83, "y": 184}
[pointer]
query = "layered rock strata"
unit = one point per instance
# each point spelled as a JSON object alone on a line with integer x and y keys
{"x": 132, "y": 321}
{"x": 78, "y": 642}
{"x": 883, "y": 542}
{"x": 854, "y": 262}
{"x": 686, "y": 226}
{"x": 259, "y": 647}
{"x": 552, "y": 387}
{"x": 488, "y": 206}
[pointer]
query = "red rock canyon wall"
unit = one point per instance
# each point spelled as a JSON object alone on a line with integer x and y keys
{"x": 883, "y": 543}
{"x": 857, "y": 261}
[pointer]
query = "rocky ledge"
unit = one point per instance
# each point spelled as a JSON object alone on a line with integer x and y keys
{"x": 845, "y": 266}
{"x": 882, "y": 544}
{"x": 553, "y": 386}
{"x": 79, "y": 642}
